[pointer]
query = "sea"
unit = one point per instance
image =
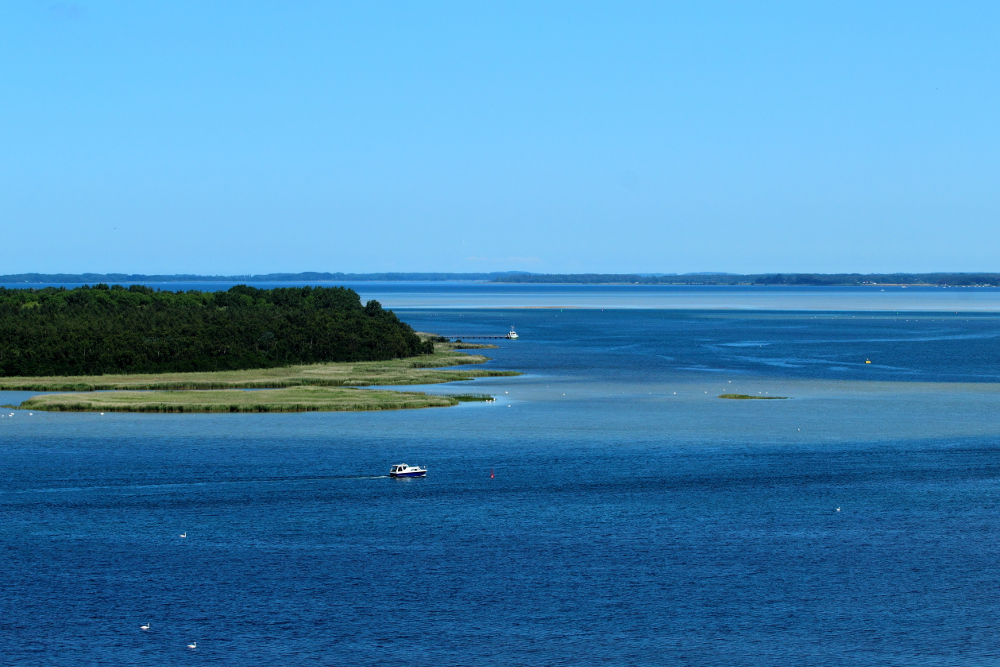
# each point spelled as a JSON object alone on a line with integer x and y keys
{"x": 608, "y": 508}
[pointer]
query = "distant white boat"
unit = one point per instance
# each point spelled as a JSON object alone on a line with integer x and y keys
{"x": 403, "y": 470}
{"x": 512, "y": 335}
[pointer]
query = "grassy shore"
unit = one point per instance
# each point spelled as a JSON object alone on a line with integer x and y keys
{"x": 330, "y": 387}
{"x": 291, "y": 399}
{"x": 748, "y": 396}
{"x": 425, "y": 369}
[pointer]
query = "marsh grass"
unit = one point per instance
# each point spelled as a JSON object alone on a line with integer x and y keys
{"x": 471, "y": 398}
{"x": 292, "y": 399}
{"x": 748, "y": 396}
{"x": 303, "y": 388}
{"x": 425, "y": 369}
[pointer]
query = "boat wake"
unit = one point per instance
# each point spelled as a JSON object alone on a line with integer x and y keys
{"x": 221, "y": 482}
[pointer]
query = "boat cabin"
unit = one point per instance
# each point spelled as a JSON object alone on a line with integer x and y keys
{"x": 403, "y": 470}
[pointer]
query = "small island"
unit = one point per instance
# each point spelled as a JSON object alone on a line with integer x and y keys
{"x": 748, "y": 396}
{"x": 302, "y": 349}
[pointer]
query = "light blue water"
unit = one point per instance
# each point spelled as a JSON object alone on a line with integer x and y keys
{"x": 452, "y": 295}
{"x": 633, "y": 518}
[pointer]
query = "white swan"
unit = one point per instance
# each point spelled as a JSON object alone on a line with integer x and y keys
{"x": 193, "y": 645}
{"x": 144, "y": 627}
{"x": 184, "y": 534}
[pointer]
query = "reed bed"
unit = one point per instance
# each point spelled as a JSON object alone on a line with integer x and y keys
{"x": 294, "y": 399}
{"x": 472, "y": 398}
{"x": 743, "y": 397}
{"x": 303, "y": 388}
{"x": 425, "y": 369}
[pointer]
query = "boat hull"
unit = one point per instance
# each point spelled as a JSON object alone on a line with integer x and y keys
{"x": 422, "y": 473}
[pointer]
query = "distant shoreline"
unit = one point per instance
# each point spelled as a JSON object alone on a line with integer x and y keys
{"x": 938, "y": 279}
{"x": 767, "y": 279}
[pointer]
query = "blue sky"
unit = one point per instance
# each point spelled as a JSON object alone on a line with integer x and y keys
{"x": 224, "y": 137}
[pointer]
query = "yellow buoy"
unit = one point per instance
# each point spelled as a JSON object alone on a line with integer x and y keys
{"x": 868, "y": 361}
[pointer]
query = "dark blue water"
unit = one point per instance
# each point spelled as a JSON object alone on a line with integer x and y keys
{"x": 634, "y": 518}
{"x": 957, "y": 347}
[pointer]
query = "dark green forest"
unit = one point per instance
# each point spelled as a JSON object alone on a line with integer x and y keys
{"x": 101, "y": 330}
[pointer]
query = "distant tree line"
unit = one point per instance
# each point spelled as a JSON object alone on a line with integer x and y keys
{"x": 308, "y": 276}
{"x": 108, "y": 330}
{"x": 827, "y": 279}
{"x": 704, "y": 278}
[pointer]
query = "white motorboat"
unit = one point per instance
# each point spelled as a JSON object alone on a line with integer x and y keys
{"x": 403, "y": 470}
{"x": 512, "y": 335}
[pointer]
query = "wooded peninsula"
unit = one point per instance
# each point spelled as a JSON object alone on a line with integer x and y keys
{"x": 143, "y": 350}
{"x": 104, "y": 330}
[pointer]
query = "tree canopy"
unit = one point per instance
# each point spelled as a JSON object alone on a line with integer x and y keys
{"x": 107, "y": 330}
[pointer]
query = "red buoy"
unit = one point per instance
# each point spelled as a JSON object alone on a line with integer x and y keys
{"x": 491, "y": 473}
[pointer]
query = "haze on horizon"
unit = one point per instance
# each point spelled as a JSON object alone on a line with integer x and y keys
{"x": 230, "y": 138}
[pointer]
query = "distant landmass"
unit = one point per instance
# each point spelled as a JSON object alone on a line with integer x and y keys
{"x": 702, "y": 278}
{"x": 308, "y": 276}
{"x": 827, "y": 279}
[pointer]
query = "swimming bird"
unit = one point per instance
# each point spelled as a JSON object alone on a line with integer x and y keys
{"x": 184, "y": 534}
{"x": 144, "y": 627}
{"x": 193, "y": 645}
{"x": 838, "y": 509}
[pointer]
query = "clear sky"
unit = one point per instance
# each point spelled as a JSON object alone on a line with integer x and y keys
{"x": 239, "y": 137}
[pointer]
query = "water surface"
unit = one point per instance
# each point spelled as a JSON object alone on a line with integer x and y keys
{"x": 632, "y": 518}
{"x": 451, "y": 295}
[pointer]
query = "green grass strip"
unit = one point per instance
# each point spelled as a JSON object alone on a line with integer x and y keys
{"x": 749, "y": 397}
